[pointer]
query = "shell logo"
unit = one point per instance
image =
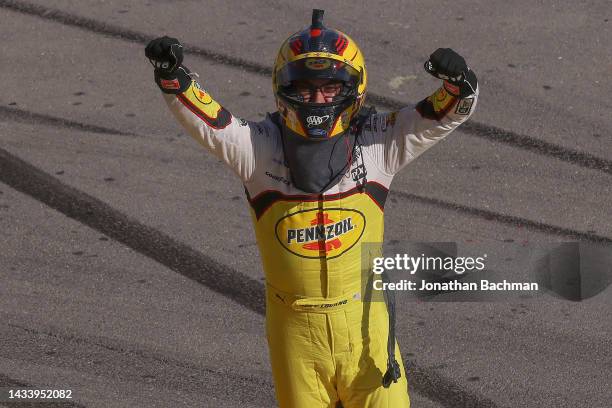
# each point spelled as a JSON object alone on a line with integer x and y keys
{"x": 320, "y": 233}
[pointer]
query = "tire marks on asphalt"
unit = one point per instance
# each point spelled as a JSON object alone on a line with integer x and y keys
{"x": 24, "y": 116}
{"x": 185, "y": 260}
{"x": 523, "y": 142}
{"x": 500, "y": 218}
{"x": 495, "y": 134}
{"x": 145, "y": 240}
{"x": 127, "y": 363}
{"x": 114, "y": 31}
{"x": 487, "y": 132}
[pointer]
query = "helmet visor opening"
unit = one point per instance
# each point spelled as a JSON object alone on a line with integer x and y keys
{"x": 298, "y": 76}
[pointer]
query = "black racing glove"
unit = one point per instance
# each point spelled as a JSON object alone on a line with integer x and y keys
{"x": 446, "y": 64}
{"x": 166, "y": 55}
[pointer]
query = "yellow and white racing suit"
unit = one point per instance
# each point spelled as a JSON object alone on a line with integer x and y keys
{"x": 326, "y": 344}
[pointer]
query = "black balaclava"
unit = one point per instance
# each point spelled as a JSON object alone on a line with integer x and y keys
{"x": 317, "y": 165}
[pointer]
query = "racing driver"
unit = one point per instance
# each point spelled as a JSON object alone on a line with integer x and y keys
{"x": 316, "y": 175}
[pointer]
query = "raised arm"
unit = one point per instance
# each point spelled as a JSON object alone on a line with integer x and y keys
{"x": 227, "y": 137}
{"x": 407, "y": 133}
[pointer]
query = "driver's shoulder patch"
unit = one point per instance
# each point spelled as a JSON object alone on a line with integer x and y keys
{"x": 464, "y": 106}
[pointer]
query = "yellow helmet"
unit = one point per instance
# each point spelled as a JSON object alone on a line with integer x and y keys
{"x": 318, "y": 52}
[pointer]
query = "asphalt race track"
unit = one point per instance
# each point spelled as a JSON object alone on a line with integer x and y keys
{"x": 129, "y": 271}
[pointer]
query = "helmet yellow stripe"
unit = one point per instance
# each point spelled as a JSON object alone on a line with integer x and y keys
{"x": 329, "y": 55}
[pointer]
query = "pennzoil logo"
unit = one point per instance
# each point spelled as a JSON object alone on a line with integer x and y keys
{"x": 317, "y": 64}
{"x": 201, "y": 95}
{"x": 320, "y": 233}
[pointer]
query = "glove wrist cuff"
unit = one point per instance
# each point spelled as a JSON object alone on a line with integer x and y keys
{"x": 465, "y": 89}
{"x": 173, "y": 83}
{"x": 452, "y": 89}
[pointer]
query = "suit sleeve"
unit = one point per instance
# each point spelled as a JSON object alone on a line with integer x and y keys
{"x": 229, "y": 138}
{"x": 405, "y": 134}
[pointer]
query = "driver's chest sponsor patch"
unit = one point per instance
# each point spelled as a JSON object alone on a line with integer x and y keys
{"x": 320, "y": 233}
